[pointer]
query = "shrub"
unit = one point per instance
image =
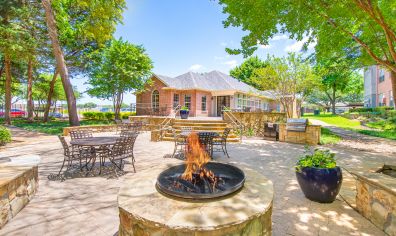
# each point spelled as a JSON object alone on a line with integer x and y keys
{"x": 5, "y": 135}
{"x": 109, "y": 115}
{"x": 88, "y": 115}
{"x": 317, "y": 159}
{"x": 99, "y": 115}
{"x": 361, "y": 109}
{"x": 126, "y": 115}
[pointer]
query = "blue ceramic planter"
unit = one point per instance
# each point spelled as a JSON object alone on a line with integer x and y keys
{"x": 319, "y": 184}
{"x": 184, "y": 114}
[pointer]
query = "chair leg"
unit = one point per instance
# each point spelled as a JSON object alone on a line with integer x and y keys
{"x": 174, "y": 151}
{"x": 225, "y": 148}
{"x": 63, "y": 164}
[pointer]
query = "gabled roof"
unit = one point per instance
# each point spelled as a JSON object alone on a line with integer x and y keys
{"x": 211, "y": 81}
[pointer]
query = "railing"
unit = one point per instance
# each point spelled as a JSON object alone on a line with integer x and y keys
{"x": 165, "y": 123}
{"x": 237, "y": 124}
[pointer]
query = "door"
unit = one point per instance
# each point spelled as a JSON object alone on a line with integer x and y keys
{"x": 222, "y": 101}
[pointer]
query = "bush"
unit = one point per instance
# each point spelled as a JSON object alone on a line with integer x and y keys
{"x": 126, "y": 115}
{"x": 109, "y": 115}
{"x": 5, "y": 135}
{"x": 317, "y": 159}
{"x": 361, "y": 109}
{"x": 88, "y": 115}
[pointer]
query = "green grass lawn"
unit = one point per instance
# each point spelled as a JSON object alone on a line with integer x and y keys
{"x": 54, "y": 127}
{"x": 327, "y": 137}
{"x": 354, "y": 125}
{"x": 335, "y": 120}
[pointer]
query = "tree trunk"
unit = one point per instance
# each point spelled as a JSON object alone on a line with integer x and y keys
{"x": 393, "y": 80}
{"x": 61, "y": 64}
{"x": 29, "y": 91}
{"x": 118, "y": 103}
{"x": 49, "y": 98}
{"x": 8, "y": 86}
{"x": 333, "y": 101}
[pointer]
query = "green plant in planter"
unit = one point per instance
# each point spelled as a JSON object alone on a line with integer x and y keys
{"x": 184, "y": 108}
{"x": 5, "y": 135}
{"x": 316, "y": 158}
{"x": 226, "y": 109}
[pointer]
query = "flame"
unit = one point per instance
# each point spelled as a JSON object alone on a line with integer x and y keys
{"x": 196, "y": 158}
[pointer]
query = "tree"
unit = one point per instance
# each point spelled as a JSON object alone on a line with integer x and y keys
{"x": 364, "y": 28}
{"x": 11, "y": 35}
{"x": 89, "y": 105}
{"x": 289, "y": 79}
{"x": 245, "y": 70}
{"x": 337, "y": 73}
{"x": 60, "y": 63}
{"x": 118, "y": 68}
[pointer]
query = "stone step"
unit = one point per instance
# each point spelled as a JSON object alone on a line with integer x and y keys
{"x": 199, "y": 124}
{"x": 198, "y": 121}
{"x": 230, "y": 140}
{"x": 202, "y": 128}
{"x": 231, "y": 135}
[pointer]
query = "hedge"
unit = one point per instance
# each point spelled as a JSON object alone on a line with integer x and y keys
{"x": 96, "y": 115}
{"x": 5, "y": 135}
{"x": 370, "y": 109}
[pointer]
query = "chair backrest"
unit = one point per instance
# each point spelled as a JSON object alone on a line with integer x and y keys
{"x": 205, "y": 138}
{"x": 186, "y": 129}
{"x": 66, "y": 149}
{"x": 123, "y": 147}
{"x": 226, "y": 133}
{"x": 78, "y": 134}
{"x": 128, "y": 133}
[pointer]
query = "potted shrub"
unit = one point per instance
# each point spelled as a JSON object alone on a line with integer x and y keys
{"x": 184, "y": 112}
{"x": 318, "y": 175}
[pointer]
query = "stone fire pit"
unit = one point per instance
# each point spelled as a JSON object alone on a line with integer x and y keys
{"x": 145, "y": 211}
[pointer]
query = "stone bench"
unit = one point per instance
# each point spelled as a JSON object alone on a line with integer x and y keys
{"x": 18, "y": 184}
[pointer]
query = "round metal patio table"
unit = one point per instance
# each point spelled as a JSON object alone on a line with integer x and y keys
{"x": 95, "y": 141}
{"x": 98, "y": 143}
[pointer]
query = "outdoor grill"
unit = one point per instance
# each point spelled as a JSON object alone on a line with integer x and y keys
{"x": 229, "y": 180}
{"x": 296, "y": 125}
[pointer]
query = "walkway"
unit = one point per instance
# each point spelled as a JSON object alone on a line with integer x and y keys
{"x": 88, "y": 206}
{"x": 359, "y": 141}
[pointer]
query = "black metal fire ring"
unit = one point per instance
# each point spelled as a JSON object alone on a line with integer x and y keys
{"x": 233, "y": 177}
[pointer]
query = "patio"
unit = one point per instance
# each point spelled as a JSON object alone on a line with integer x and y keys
{"x": 88, "y": 206}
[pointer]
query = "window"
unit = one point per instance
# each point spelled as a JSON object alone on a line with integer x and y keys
{"x": 155, "y": 100}
{"x": 203, "y": 103}
{"x": 381, "y": 100}
{"x": 175, "y": 100}
{"x": 187, "y": 101}
{"x": 381, "y": 75}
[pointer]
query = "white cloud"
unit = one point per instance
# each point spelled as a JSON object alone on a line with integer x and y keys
{"x": 223, "y": 44}
{"x": 297, "y": 46}
{"x": 195, "y": 67}
{"x": 231, "y": 64}
{"x": 265, "y": 46}
{"x": 279, "y": 37}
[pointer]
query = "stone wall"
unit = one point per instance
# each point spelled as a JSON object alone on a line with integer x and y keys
{"x": 311, "y": 136}
{"x": 152, "y": 122}
{"x": 376, "y": 201}
{"x": 93, "y": 128}
{"x": 254, "y": 121}
{"x": 16, "y": 193}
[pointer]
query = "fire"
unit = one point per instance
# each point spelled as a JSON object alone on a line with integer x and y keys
{"x": 196, "y": 159}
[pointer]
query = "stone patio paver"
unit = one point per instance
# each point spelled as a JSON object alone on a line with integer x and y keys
{"x": 88, "y": 206}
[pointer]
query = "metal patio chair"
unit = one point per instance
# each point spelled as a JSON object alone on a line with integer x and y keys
{"x": 121, "y": 150}
{"x": 180, "y": 142}
{"x": 78, "y": 134}
{"x": 222, "y": 141}
{"x": 206, "y": 140}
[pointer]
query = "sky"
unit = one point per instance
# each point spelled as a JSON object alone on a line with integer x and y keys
{"x": 185, "y": 35}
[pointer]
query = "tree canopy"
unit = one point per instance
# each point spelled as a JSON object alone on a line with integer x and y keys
{"x": 118, "y": 68}
{"x": 364, "y": 28}
{"x": 290, "y": 79}
{"x": 245, "y": 70}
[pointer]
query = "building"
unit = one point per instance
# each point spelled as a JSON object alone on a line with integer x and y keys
{"x": 377, "y": 87}
{"x": 205, "y": 94}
